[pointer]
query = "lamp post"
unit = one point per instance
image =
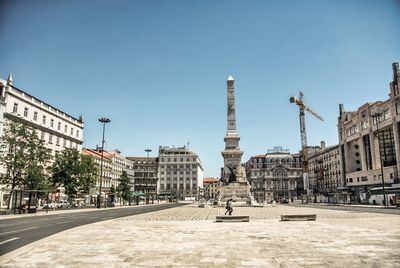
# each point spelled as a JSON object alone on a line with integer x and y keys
{"x": 146, "y": 179}
{"x": 376, "y": 116}
{"x": 104, "y": 121}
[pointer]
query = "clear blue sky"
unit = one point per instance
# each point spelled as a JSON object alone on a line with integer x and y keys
{"x": 158, "y": 69}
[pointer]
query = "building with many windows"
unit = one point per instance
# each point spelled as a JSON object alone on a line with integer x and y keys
{"x": 274, "y": 175}
{"x": 369, "y": 143}
{"x": 324, "y": 171}
{"x": 211, "y": 188}
{"x": 58, "y": 129}
{"x": 106, "y": 181}
{"x": 114, "y": 163}
{"x": 145, "y": 177}
{"x": 180, "y": 172}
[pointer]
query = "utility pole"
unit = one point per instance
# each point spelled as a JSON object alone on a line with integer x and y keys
{"x": 104, "y": 121}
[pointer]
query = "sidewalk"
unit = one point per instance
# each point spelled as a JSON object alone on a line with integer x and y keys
{"x": 189, "y": 237}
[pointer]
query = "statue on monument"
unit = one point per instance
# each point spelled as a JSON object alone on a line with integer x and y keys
{"x": 237, "y": 174}
{"x": 232, "y": 175}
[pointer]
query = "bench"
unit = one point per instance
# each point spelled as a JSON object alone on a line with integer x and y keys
{"x": 299, "y": 217}
{"x": 232, "y": 218}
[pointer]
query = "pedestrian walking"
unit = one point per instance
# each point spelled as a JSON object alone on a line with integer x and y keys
{"x": 228, "y": 207}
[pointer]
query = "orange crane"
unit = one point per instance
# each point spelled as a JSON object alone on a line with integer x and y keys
{"x": 304, "y": 152}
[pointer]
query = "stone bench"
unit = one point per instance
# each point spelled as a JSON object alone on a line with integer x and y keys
{"x": 232, "y": 218}
{"x": 299, "y": 217}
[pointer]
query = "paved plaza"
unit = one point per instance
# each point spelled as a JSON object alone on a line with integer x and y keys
{"x": 189, "y": 237}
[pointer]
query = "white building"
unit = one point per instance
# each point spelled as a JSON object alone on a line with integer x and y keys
{"x": 58, "y": 129}
{"x": 180, "y": 172}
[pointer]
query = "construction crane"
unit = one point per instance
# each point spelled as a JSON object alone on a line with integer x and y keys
{"x": 304, "y": 152}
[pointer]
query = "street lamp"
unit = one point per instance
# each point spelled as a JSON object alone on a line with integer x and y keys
{"x": 104, "y": 121}
{"x": 147, "y": 170}
{"x": 376, "y": 116}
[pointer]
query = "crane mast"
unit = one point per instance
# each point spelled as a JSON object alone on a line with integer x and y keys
{"x": 304, "y": 152}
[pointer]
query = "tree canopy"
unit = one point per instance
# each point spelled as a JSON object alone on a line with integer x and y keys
{"x": 24, "y": 157}
{"x": 124, "y": 188}
{"x": 75, "y": 172}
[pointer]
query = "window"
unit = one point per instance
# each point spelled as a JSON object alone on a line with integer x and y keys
{"x": 77, "y": 133}
{"x": 51, "y": 122}
{"x": 42, "y": 136}
{"x": 58, "y": 141}
{"x": 26, "y": 112}
{"x": 387, "y": 147}
{"x": 72, "y": 131}
{"x": 44, "y": 120}
{"x": 35, "y": 116}
{"x": 15, "y": 108}
{"x": 50, "y": 138}
{"x": 368, "y": 154}
{"x": 65, "y": 143}
{"x": 59, "y": 126}
{"x": 65, "y": 129}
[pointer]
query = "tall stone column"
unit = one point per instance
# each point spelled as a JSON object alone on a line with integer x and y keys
{"x": 232, "y": 154}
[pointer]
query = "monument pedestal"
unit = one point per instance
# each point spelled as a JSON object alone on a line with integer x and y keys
{"x": 238, "y": 192}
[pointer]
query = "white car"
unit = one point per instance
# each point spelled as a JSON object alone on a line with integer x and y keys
{"x": 63, "y": 204}
{"x": 49, "y": 205}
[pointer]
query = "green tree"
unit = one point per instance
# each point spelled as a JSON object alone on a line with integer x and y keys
{"x": 24, "y": 158}
{"x": 75, "y": 172}
{"x": 124, "y": 186}
{"x": 88, "y": 174}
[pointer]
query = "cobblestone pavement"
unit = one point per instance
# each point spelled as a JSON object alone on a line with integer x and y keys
{"x": 191, "y": 212}
{"x": 188, "y": 237}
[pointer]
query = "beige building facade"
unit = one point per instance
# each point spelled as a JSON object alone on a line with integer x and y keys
{"x": 369, "y": 143}
{"x": 180, "y": 172}
{"x": 324, "y": 171}
{"x": 275, "y": 175}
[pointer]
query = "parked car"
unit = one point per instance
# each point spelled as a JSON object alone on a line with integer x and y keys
{"x": 63, "y": 204}
{"x": 49, "y": 205}
{"x": 285, "y": 201}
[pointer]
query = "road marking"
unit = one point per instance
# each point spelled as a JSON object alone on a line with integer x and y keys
{"x": 19, "y": 230}
{"x": 9, "y": 240}
{"x": 63, "y": 222}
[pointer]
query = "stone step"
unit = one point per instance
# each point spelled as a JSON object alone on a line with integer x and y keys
{"x": 298, "y": 217}
{"x": 231, "y": 218}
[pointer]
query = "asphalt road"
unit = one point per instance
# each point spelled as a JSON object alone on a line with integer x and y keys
{"x": 20, "y": 231}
